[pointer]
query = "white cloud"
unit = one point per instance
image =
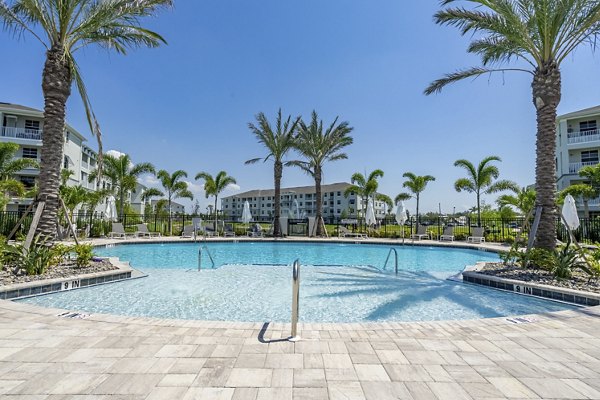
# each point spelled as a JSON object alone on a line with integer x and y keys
{"x": 114, "y": 153}
{"x": 149, "y": 180}
{"x": 196, "y": 188}
{"x": 233, "y": 187}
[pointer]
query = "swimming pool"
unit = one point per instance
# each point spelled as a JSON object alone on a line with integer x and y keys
{"x": 339, "y": 283}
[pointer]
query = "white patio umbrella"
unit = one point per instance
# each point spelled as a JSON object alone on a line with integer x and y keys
{"x": 246, "y": 215}
{"x": 110, "y": 212}
{"x": 370, "y": 216}
{"x": 569, "y": 213}
{"x": 401, "y": 217}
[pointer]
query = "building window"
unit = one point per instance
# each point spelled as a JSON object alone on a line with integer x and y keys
{"x": 339, "y": 202}
{"x": 590, "y": 156}
{"x": 586, "y": 126}
{"x": 339, "y": 193}
{"x": 338, "y": 211}
{"x": 29, "y": 152}
{"x": 32, "y": 125}
{"x": 66, "y": 162}
{"x": 28, "y": 181}
{"x": 351, "y": 201}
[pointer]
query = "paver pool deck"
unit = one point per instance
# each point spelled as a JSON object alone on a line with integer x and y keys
{"x": 47, "y": 356}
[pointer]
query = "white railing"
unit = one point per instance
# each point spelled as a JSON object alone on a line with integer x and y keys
{"x": 591, "y": 202}
{"x": 583, "y": 137}
{"x": 21, "y": 133}
{"x": 575, "y": 167}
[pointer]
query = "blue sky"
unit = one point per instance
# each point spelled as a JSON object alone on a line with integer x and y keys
{"x": 187, "y": 105}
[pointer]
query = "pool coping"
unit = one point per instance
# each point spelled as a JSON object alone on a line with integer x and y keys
{"x": 47, "y": 286}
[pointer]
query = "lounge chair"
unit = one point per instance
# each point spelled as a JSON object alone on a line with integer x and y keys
{"x": 188, "y": 231}
{"x": 118, "y": 232}
{"x": 448, "y": 234}
{"x": 209, "y": 230}
{"x": 344, "y": 232}
{"x": 228, "y": 230}
{"x": 477, "y": 236}
{"x": 255, "y": 231}
{"x": 421, "y": 233}
{"x": 142, "y": 231}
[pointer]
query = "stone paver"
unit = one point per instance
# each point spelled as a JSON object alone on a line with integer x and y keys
{"x": 43, "y": 356}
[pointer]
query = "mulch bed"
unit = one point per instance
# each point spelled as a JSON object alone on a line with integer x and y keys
{"x": 579, "y": 281}
{"x": 66, "y": 270}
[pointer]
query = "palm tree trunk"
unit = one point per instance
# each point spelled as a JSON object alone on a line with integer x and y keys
{"x": 546, "y": 88}
{"x": 216, "y": 197}
{"x": 586, "y": 208}
{"x": 417, "y": 196}
{"x": 478, "y": 210}
{"x": 170, "y": 223}
{"x": 319, "y": 203}
{"x": 121, "y": 201}
{"x": 56, "y": 86}
{"x": 278, "y": 172}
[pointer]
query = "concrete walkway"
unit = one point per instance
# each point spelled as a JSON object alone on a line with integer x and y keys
{"x": 47, "y": 356}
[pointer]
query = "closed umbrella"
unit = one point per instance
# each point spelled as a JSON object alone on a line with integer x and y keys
{"x": 246, "y": 215}
{"x": 569, "y": 213}
{"x": 370, "y": 216}
{"x": 110, "y": 213}
{"x": 401, "y": 217}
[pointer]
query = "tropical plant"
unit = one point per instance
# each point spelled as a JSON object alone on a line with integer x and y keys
{"x": 415, "y": 184}
{"x": 318, "y": 145}
{"x": 64, "y": 27}
{"x": 523, "y": 199}
{"x": 32, "y": 260}
{"x": 175, "y": 188}
{"x": 480, "y": 180}
{"x": 9, "y": 166}
{"x": 214, "y": 186}
{"x": 84, "y": 254}
{"x": 539, "y": 35}
{"x": 122, "y": 175}
{"x": 277, "y": 142}
{"x": 366, "y": 187}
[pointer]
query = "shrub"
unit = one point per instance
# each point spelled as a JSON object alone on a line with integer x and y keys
{"x": 566, "y": 260}
{"x": 84, "y": 254}
{"x": 59, "y": 253}
{"x": 33, "y": 261}
{"x": 541, "y": 258}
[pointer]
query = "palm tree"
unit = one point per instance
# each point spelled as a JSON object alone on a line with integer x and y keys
{"x": 214, "y": 186}
{"x": 63, "y": 28}
{"x": 416, "y": 184}
{"x": 365, "y": 187}
{"x": 122, "y": 175}
{"x": 9, "y": 166}
{"x": 539, "y": 34}
{"x": 481, "y": 180}
{"x": 277, "y": 143}
{"x": 523, "y": 199}
{"x": 318, "y": 146}
{"x": 175, "y": 188}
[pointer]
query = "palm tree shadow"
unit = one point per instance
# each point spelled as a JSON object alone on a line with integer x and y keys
{"x": 407, "y": 289}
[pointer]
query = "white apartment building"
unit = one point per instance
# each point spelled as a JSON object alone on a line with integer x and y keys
{"x": 299, "y": 201}
{"x": 176, "y": 208}
{"x": 577, "y": 146}
{"x": 25, "y": 126}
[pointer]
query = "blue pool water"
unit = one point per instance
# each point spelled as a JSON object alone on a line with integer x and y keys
{"x": 339, "y": 283}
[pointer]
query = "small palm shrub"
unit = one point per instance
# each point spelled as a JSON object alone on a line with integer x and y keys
{"x": 84, "y": 253}
{"x": 35, "y": 260}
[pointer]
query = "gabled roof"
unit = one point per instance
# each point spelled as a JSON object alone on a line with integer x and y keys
{"x": 19, "y": 107}
{"x": 581, "y": 113}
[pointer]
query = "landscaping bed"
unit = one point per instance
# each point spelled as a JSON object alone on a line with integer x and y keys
{"x": 66, "y": 269}
{"x": 579, "y": 279}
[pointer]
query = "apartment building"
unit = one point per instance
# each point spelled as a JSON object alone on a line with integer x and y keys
{"x": 577, "y": 146}
{"x": 25, "y": 126}
{"x": 176, "y": 208}
{"x": 299, "y": 202}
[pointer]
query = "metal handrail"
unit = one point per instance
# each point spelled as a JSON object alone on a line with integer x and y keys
{"x": 295, "y": 300}
{"x": 388, "y": 258}
{"x": 200, "y": 257}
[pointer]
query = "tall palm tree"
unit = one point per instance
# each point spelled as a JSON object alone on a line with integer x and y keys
{"x": 214, "y": 186}
{"x": 277, "y": 143}
{"x": 415, "y": 184}
{"x": 481, "y": 180}
{"x": 319, "y": 145}
{"x": 175, "y": 188}
{"x": 63, "y": 28}
{"x": 365, "y": 187}
{"x": 122, "y": 175}
{"x": 538, "y": 35}
{"x": 523, "y": 199}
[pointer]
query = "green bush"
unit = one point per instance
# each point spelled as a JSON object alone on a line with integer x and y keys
{"x": 59, "y": 253}
{"x": 84, "y": 253}
{"x": 566, "y": 260}
{"x": 33, "y": 261}
{"x": 542, "y": 259}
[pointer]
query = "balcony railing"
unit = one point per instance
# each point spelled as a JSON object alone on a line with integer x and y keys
{"x": 21, "y": 133}
{"x": 583, "y": 137}
{"x": 591, "y": 202}
{"x": 575, "y": 167}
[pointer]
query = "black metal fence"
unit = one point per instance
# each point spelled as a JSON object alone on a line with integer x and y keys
{"x": 496, "y": 230}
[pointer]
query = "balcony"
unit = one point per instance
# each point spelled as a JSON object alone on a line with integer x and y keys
{"x": 575, "y": 167}
{"x": 21, "y": 133}
{"x": 583, "y": 137}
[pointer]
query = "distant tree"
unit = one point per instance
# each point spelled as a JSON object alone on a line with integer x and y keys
{"x": 366, "y": 187}
{"x": 480, "y": 180}
{"x": 278, "y": 142}
{"x": 319, "y": 145}
{"x": 175, "y": 188}
{"x": 196, "y": 208}
{"x": 9, "y": 166}
{"x": 416, "y": 185}
{"x": 214, "y": 187}
{"x": 523, "y": 199}
{"x": 582, "y": 191}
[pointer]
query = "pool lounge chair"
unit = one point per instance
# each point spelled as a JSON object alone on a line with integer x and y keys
{"x": 142, "y": 231}
{"x": 228, "y": 230}
{"x": 208, "y": 229}
{"x": 448, "y": 234}
{"x": 344, "y": 232}
{"x": 188, "y": 231}
{"x": 118, "y": 232}
{"x": 477, "y": 236}
{"x": 421, "y": 233}
{"x": 255, "y": 231}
